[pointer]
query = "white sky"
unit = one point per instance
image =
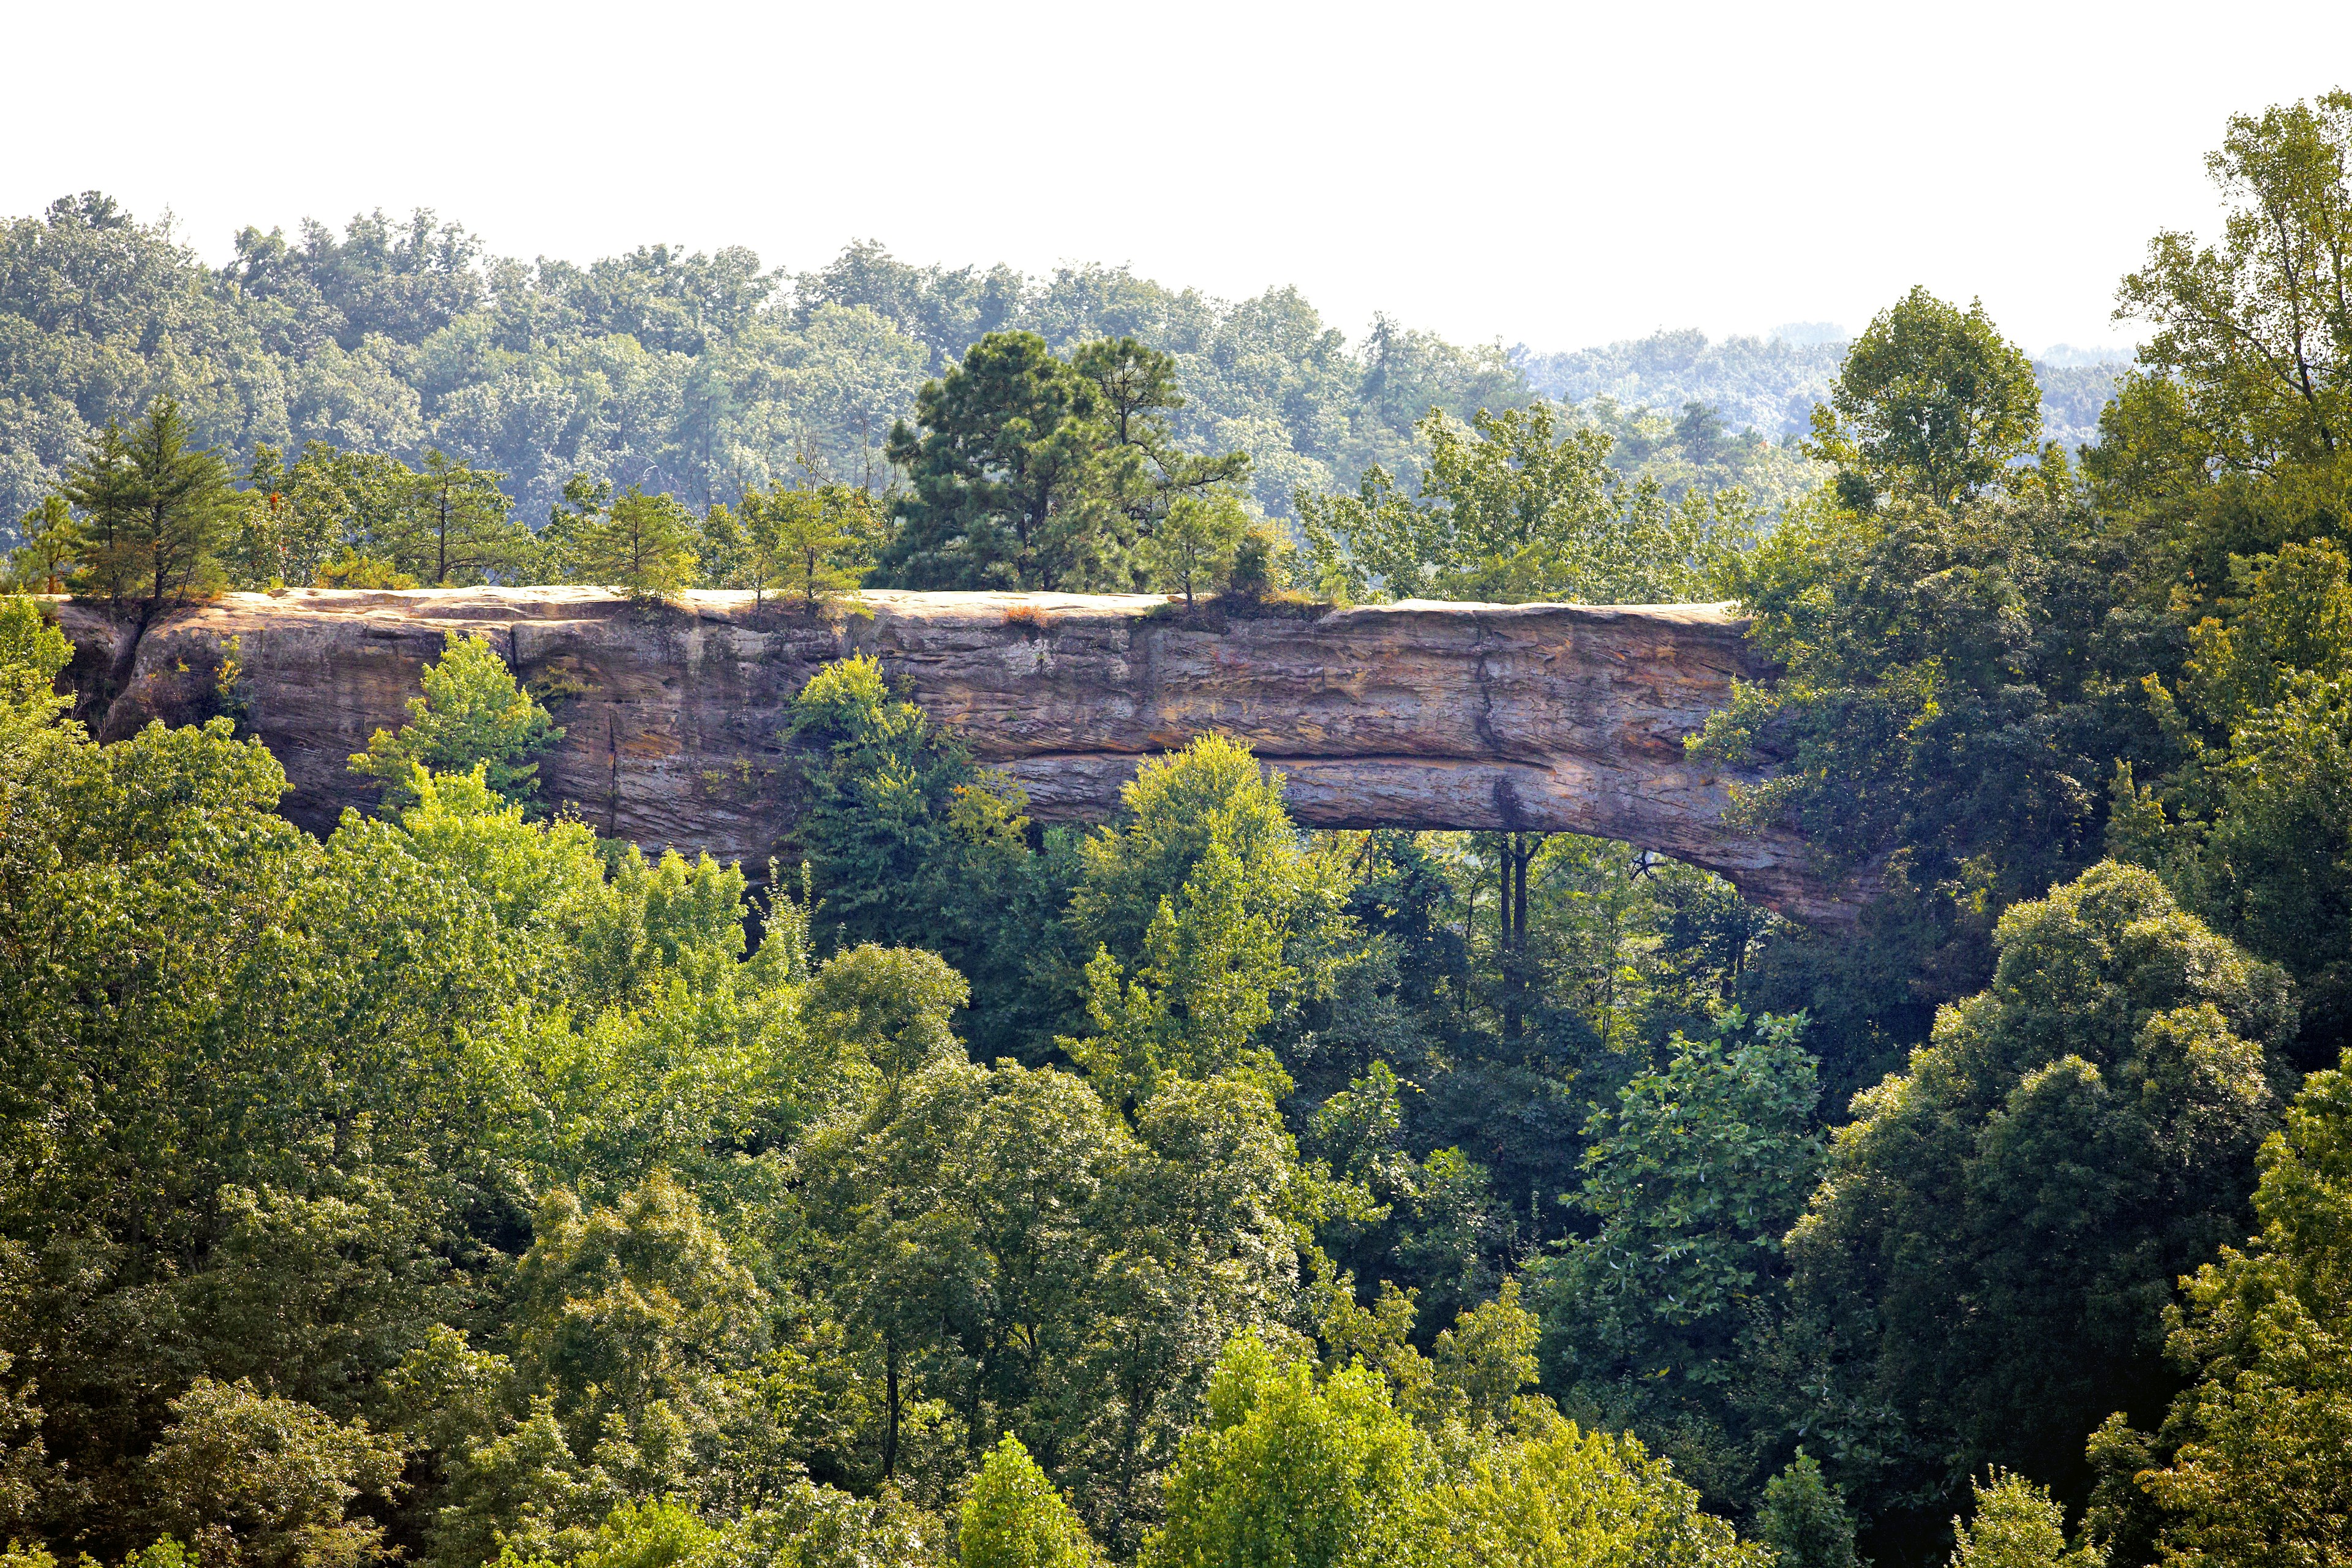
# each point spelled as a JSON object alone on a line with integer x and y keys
{"x": 1561, "y": 174}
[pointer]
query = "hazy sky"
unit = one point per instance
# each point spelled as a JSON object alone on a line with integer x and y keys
{"x": 1558, "y": 174}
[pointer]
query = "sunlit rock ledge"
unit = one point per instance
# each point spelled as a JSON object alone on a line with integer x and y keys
{"x": 1549, "y": 718}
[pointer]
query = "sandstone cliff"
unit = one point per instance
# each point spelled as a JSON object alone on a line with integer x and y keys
{"x": 1541, "y": 717}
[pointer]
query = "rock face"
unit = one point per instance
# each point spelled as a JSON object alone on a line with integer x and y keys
{"x": 1538, "y": 717}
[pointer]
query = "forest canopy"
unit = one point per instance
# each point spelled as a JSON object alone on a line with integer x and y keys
{"x": 704, "y": 375}
{"x": 463, "y": 1187}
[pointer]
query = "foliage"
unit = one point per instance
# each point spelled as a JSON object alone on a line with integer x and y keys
{"x": 1021, "y": 1259}
{"x": 1513, "y": 507}
{"x": 250, "y": 1479}
{"x": 303, "y": 1092}
{"x": 461, "y": 1187}
{"x": 53, "y": 546}
{"x": 1196, "y": 545}
{"x": 1567, "y": 1496}
{"x": 1292, "y": 1469}
{"x": 2249, "y": 1466}
{"x": 451, "y": 525}
{"x": 2247, "y": 826}
{"x": 1804, "y": 1520}
{"x": 1211, "y": 970}
{"x": 1228, "y": 929}
{"x": 2017, "y": 1526}
{"x": 1693, "y": 1177}
{"x": 154, "y": 511}
{"x": 909, "y": 841}
{"x": 1285, "y": 1470}
{"x": 2255, "y": 331}
{"x": 2228, "y": 439}
{"x": 1931, "y": 403}
{"x": 474, "y": 714}
{"x": 1032, "y": 471}
{"x": 1014, "y": 1517}
{"x": 811, "y": 543}
{"x": 2071, "y": 1138}
{"x": 641, "y": 544}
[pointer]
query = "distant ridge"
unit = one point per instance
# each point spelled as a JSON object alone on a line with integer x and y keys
{"x": 1769, "y": 384}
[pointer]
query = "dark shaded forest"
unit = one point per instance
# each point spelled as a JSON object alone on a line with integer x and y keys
{"x": 463, "y": 1187}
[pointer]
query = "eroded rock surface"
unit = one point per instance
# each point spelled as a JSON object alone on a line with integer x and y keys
{"x": 1540, "y": 717}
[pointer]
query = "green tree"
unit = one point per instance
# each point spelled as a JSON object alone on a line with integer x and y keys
{"x": 1210, "y": 979}
{"x": 2256, "y": 331}
{"x": 1693, "y": 1177}
{"x": 309, "y": 1092}
{"x": 1560, "y": 1495}
{"x": 638, "y": 1311}
{"x": 648, "y": 1535}
{"x": 1520, "y": 505}
{"x": 1991, "y": 1242}
{"x": 249, "y": 1479}
{"x": 2247, "y": 828}
{"x": 1226, "y": 926}
{"x": 1932, "y": 402}
{"x": 1287, "y": 1469}
{"x": 1211, "y": 794}
{"x": 1012, "y": 1256}
{"x": 2286, "y": 613}
{"x": 329, "y": 519}
{"x": 2250, "y": 1465}
{"x": 452, "y": 525}
{"x": 156, "y": 512}
{"x": 1032, "y": 471}
{"x": 1014, "y": 1519}
{"x": 2017, "y": 1525}
{"x": 1004, "y": 479}
{"x": 641, "y": 543}
{"x": 24, "y": 1477}
{"x": 1137, "y": 399}
{"x": 1804, "y": 1520}
{"x": 909, "y": 841}
{"x": 1945, "y": 697}
{"x": 888, "y": 1009}
{"x": 812, "y": 542}
{"x": 474, "y": 713}
{"x": 54, "y": 543}
{"x": 637, "y": 1337}
{"x": 1193, "y": 547}
{"x": 723, "y": 553}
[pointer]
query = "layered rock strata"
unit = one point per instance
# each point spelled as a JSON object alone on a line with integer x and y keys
{"x": 1538, "y": 717}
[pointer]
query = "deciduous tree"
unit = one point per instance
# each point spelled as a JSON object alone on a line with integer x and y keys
{"x": 474, "y": 713}
{"x": 1932, "y": 402}
{"x": 1992, "y": 1239}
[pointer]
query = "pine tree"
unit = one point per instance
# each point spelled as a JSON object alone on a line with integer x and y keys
{"x": 814, "y": 544}
{"x": 452, "y": 524}
{"x": 641, "y": 544}
{"x": 157, "y": 512}
{"x": 1194, "y": 548}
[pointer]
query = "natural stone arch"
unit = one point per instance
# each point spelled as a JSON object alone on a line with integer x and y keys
{"x": 1546, "y": 717}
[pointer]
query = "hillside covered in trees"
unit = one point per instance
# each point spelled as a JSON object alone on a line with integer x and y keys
{"x": 703, "y": 375}
{"x": 462, "y": 1188}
